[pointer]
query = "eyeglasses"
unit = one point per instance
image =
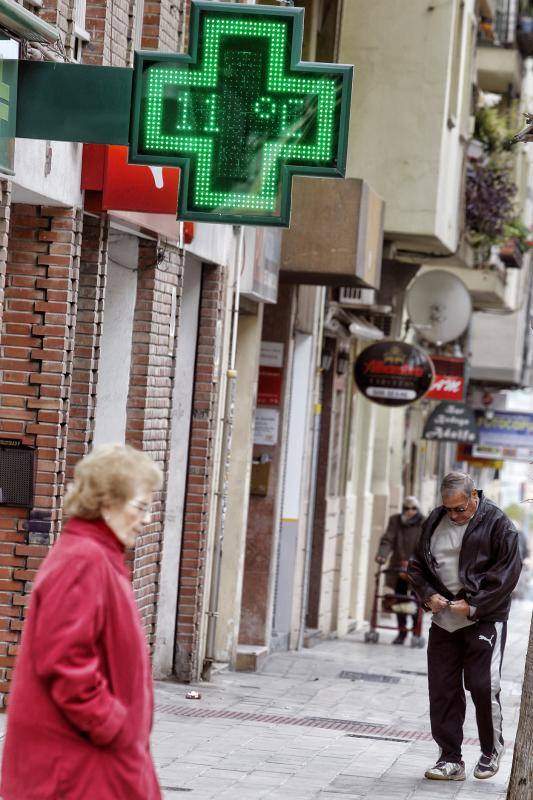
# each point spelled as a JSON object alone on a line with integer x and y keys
{"x": 142, "y": 508}
{"x": 456, "y": 510}
{"x": 410, "y": 508}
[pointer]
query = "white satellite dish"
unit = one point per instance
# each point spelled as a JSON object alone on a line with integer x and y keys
{"x": 439, "y": 306}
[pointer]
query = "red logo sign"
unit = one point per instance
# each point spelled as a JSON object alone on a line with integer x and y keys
{"x": 111, "y": 184}
{"x": 449, "y": 383}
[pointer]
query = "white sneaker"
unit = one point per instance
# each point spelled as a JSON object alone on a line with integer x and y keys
{"x": 446, "y": 771}
{"x": 487, "y": 766}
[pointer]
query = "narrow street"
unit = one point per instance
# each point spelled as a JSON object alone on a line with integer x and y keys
{"x": 301, "y": 730}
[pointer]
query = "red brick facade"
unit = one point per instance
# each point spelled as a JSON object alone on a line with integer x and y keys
{"x": 93, "y": 267}
{"x": 53, "y": 271}
{"x": 36, "y": 337}
{"x": 150, "y": 400}
{"x": 199, "y": 480}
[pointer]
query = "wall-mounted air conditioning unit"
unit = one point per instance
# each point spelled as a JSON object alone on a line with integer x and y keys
{"x": 356, "y": 298}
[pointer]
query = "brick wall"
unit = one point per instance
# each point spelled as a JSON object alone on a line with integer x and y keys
{"x": 110, "y": 28}
{"x": 163, "y": 26}
{"x": 199, "y": 479}
{"x": 5, "y": 214}
{"x": 93, "y": 269}
{"x": 35, "y": 374}
{"x": 58, "y": 13}
{"x": 150, "y": 400}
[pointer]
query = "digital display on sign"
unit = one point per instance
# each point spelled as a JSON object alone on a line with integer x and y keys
{"x": 240, "y": 114}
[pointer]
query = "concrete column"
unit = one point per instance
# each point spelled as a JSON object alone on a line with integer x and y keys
{"x": 248, "y": 348}
{"x": 381, "y": 473}
{"x": 361, "y": 524}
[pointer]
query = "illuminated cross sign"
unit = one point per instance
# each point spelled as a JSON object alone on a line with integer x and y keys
{"x": 240, "y": 114}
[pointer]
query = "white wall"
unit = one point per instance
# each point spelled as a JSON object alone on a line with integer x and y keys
{"x": 400, "y": 140}
{"x": 115, "y": 347}
{"x": 61, "y": 186}
{"x": 177, "y": 468}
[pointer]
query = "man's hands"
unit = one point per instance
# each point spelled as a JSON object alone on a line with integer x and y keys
{"x": 437, "y": 603}
{"x": 460, "y": 607}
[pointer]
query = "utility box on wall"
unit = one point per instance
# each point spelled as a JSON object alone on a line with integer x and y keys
{"x": 336, "y": 234}
{"x": 17, "y": 474}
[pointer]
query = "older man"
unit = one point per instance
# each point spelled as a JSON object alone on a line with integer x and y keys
{"x": 465, "y": 567}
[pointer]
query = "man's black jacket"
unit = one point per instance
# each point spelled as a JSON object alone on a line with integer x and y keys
{"x": 489, "y": 562}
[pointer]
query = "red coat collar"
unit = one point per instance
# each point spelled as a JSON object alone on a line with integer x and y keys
{"x": 98, "y": 531}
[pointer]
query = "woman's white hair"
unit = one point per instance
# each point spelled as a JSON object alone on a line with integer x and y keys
{"x": 411, "y": 500}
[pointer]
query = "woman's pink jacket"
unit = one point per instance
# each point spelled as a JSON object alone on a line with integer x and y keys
{"x": 81, "y": 707}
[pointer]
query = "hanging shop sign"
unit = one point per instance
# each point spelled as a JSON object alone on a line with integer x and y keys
{"x": 465, "y": 453}
{"x": 240, "y": 114}
{"x": 8, "y": 113}
{"x": 504, "y": 435}
{"x": 451, "y": 421}
{"x": 449, "y": 383}
{"x": 393, "y": 373}
{"x": 261, "y": 264}
{"x": 111, "y": 184}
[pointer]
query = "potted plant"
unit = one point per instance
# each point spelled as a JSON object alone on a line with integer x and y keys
{"x": 515, "y": 244}
{"x": 490, "y": 192}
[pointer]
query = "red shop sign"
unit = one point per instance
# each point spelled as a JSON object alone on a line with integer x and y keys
{"x": 269, "y": 386}
{"x": 111, "y": 184}
{"x": 449, "y": 383}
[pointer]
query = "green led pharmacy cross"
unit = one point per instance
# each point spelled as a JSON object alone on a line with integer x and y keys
{"x": 240, "y": 114}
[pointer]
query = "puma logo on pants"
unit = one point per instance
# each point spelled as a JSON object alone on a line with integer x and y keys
{"x": 487, "y": 639}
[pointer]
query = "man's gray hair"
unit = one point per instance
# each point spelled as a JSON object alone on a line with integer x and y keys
{"x": 457, "y": 482}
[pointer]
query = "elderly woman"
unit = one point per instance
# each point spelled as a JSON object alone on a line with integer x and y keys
{"x": 80, "y": 712}
{"x": 399, "y": 540}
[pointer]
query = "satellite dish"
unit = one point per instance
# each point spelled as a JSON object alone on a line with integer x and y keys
{"x": 439, "y": 306}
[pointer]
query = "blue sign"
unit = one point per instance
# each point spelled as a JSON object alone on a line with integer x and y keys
{"x": 505, "y": 429}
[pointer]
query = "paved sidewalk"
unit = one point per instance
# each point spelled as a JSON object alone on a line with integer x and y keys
{"x": 223, "y": 747}
{"x": 324, "y": 736}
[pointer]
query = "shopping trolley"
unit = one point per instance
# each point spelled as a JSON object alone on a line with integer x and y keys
{"x": 394, "y": 603}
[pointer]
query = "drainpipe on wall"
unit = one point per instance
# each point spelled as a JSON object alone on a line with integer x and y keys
{"x": 222, "y": 487}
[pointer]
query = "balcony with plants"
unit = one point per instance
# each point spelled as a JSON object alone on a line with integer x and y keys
{"x": 493, "y": 225}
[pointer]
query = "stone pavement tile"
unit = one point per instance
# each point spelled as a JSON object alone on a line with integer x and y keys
{"x": 243, "y": 793}
{"x": 206, "y": 784}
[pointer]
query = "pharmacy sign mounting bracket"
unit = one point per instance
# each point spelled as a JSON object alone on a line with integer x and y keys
{"x": 240, "y": 114}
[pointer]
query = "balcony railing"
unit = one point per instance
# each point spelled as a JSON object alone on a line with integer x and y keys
{"x": 500, "y": 31}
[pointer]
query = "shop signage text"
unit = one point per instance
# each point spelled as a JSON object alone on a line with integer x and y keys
{"x": 449, "y": 383}
{"x": 451, "y": 421}
{"x": 393, "y": 373}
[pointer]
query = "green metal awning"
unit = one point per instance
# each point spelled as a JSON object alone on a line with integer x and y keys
{"x": 21, "y": 22}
